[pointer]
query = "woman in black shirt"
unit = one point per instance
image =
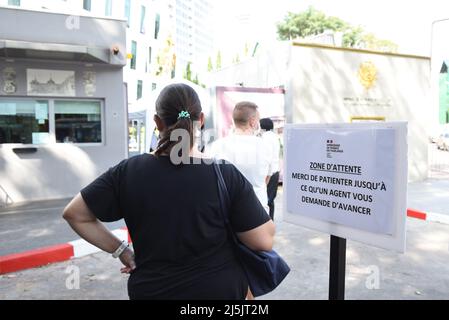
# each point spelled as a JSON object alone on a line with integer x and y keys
{"x": 172, "y": 212}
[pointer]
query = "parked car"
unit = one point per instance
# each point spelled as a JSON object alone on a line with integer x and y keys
{"x": 436, "y": 131}
{"x": 443, "y": 141}
{"x": 433, "y": 138}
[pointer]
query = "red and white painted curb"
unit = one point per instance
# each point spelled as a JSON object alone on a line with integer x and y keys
{"x": 80, "y": 248}
{"x": 428, "y": 216}
{"x": 58, "y": 253}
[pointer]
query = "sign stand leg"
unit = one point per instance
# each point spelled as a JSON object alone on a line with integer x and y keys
{"x": 337, "y": 268}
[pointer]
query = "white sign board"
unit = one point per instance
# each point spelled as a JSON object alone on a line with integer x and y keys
{"x": 41, "y": 111}
{"x": 348, "y": 180}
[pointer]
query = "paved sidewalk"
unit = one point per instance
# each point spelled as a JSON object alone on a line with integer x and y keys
{"x": 39, "y": 224}
{"x": 421, "y": 273}
{"x": 431, "y": 195}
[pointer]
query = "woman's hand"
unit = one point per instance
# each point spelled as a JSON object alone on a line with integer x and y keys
{"x": 84, "y": 222}
{"x": 127, "y": 258}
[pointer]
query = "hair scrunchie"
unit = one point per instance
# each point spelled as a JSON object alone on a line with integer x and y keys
{"x": 184, "y": 115}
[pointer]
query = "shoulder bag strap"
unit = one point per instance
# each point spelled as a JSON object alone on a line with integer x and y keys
{"x": 225, "y": 201}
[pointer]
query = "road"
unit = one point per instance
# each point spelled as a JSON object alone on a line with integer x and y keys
{"x": 421, "y": 273}
{"x": 36, "y": 225}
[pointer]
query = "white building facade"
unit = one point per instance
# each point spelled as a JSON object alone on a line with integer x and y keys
{"x": 186, "y": 24}
{"x": 194, "y": 35}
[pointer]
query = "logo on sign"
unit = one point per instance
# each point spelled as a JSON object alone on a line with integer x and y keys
{"x": 367, "y": 74}
{"x": 332, "y": 147}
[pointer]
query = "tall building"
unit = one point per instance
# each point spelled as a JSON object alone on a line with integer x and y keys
{"x": 194, "y": 35}
{"x": 144, "y": 34}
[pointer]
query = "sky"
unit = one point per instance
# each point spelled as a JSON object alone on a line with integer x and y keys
{"x": 407, "y": 23}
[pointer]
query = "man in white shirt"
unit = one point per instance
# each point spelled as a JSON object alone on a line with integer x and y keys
{"x": 271, "y": 140}
{"x": 246, "y": 150}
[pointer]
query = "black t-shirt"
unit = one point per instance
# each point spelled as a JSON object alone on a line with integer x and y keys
{"x": 173, "y": 216}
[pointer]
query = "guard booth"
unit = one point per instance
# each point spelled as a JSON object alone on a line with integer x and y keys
{"x": 63, "y": 116}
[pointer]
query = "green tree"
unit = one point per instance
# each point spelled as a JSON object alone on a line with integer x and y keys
{"x": 370, "y": 41}
{"x": 196, "y": 80}
{"x": 188, "y": 72}
{"x": 353, "y": 37}
{"x": 313, "y": 22}
{"x": 246, "y": 50}
{"x": 218, "y": 62}
{"x": 166, "y": 59}
{"x": 210, "y": 66}
{"x": 307, "y": 23}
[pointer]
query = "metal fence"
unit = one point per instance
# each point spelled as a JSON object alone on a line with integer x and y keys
{"x": 438, "y": 162}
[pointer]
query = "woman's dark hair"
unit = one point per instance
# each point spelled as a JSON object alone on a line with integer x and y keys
{"x": 266, "y": 124}
{"x": 173, "y": 100}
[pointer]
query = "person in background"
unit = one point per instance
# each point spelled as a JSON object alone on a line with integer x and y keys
{"x": 172, "y": 211}
{"x": 246, "y": 150}
{"x": 154, "y": 140}
{"x": 271, "y": 140}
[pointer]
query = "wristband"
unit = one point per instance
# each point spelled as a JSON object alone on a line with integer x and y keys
{"x": 120, "y": 249}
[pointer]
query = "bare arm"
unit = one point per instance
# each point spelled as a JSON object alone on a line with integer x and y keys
{"x": 86, "y": 225}
{"x": 260, "y": 238}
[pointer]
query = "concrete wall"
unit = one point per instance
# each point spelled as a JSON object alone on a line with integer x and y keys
{"x": 59, "y": 170}
{"x": 322, "y": 85}
{"x": 266, "y": 70}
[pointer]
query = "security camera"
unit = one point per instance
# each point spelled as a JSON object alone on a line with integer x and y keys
{"x": 115, "y": 50}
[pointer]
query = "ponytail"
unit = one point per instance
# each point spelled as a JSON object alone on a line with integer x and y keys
{"x": 166, "y": 143}
{"x": 178, "y": 106}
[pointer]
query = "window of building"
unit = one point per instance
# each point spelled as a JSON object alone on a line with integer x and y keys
{"x": 139, "y": 89}
{"x": 14, "y": 3}
{"x": 153, "y": 86}
{"x": 78, "y": 121}
{"x": 142, "y": 19}
{"x": 108, "y": 8}
{"x": 35, "y": 122}
{"x": 87, "y": 5}
{"x": 157, "y": 25}
{"x": 150, "y": 52}
{"x": 128, "y": 11}
{"x": 24, "y": 121}
{"x": 134, "y": 55}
